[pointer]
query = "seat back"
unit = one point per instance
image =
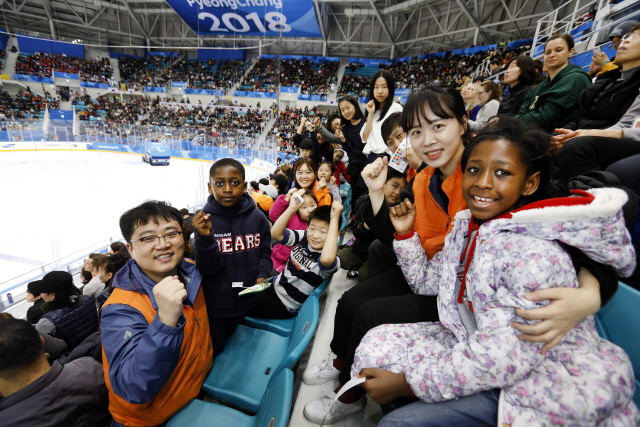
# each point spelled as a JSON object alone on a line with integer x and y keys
{"x": 276, "y": 401}
{"x": 618, "y": 322}
{"x": 303, "y": 330}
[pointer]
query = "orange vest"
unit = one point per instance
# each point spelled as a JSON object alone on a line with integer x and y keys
{"x": 432, "y": 223}
{"x": 323, "y": 196}
{"x": 196, "y": 360}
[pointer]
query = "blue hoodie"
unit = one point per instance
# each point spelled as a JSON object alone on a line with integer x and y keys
{"x": 143, "y": 359}
{"x": 238, "y": 252}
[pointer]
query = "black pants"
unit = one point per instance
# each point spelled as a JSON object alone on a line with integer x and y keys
{"x": 268, "y": 306}
{"x": 588, "y": 153}
{"x": 381, "y": 258}
{"x": 628, "y": 172}
{"x": 383, "y": 299}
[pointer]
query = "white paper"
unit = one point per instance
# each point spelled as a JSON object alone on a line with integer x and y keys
{"x": 237, "y": 285}
{"x": 352, "y": 383}
{"x": 396, "y": 161}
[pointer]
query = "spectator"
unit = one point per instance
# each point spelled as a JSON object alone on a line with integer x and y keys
{"x": 67, "y": 314}
{"x": 353, "y": 122}
{"x": 600, "y": 63}
{"x": 489, "y": 97}
{"x": 472, "y": 104}
{"x": 379, "y": 107}
{"x": 520, "y": 75}
{"x": 35, "y": 312}
{"x": 552, "y": 103}
{"x": 495, "y": 68}
{"x": 37, "y": 394}
{"x": 95, "y": 286}
{"x": 154, "y": 312}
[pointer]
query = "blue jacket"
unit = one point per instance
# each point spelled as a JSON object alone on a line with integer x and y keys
{"x": 238, "y": 252}
{"x": 75, "y": 323}
{"x": 142, "y": 356}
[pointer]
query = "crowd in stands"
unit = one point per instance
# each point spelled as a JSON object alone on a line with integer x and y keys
{"x": 480, "y": 262}
{"x": 303, "y": 73}
{"x": 159, "y": 70}
{"x": 43, "y": 64}
{"x": 287, "y": 122}
{"x": 24, "y": 105}
{"x": 264, "y": 76}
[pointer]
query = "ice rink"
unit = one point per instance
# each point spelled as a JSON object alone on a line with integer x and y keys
{"x": 66, "y": 203}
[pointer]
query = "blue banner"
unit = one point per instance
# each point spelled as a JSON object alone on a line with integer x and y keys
{"x": 34, "y": 79}
{"x": 94, "y": 85}
{"x": 363, "y": 99}
{"x": 270, "y": 18}
{"x": 403, "y": 100}
{"x": 180, "y": 84}
{"x": 402, "y": 92}
{"x": 255, "y": 94}
{"x": 369, "y": 62}
{"x": 208, "y": 92}
{"x": 304, "y": 97}
{"x": 68, "y": 76}
{"x": 155, "y": 89}
{"x": 286, "y": 89}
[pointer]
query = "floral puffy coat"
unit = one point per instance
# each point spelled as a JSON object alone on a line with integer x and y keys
{"x": 583, "y": 381}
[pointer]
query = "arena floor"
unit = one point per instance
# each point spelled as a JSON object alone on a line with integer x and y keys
{"x": 66, "y": 202}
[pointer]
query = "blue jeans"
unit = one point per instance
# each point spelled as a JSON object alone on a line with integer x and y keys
{"x": 476, "y": 410}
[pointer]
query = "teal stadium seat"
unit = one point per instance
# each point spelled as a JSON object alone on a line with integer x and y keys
{"x": 282, "y": 327}
{"x": 275, "y": 407}
{"x": 252, "y": 357}
{"x": 618, "y": 322}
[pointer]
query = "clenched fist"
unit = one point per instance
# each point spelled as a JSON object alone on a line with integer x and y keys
{"x": 202, "y": 223}
{"x": 169, "y": 294}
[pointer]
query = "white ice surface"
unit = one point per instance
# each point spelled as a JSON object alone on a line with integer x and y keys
{"x": 76, "y": 199}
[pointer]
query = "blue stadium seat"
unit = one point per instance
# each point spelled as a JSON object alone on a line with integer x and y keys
{"x": 275, "y": 407}
{"x": 282, "y": 327}
{"x": 618, "y": 322}
{"x": 252, "y": 357}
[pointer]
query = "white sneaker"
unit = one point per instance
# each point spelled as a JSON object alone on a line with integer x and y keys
{"x": 321, "y": 411}
{"x": 321, "y": 373}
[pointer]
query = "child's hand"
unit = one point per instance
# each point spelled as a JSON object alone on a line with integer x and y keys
{"x": 403, "y": 215}
{"x": 412, "y": 158}
{"x": 321, "y": 184}
{"x": 295, "y": 204}
{"x": 289, "y": 194}
{"x": 336, "y": 209}
{"x": 202, "y": 223}
{"x": 303, "y": 121}
{"x": 384, "y": 386}
{"x": 375, "y": 174}
{"x": 339, "y": 134}
{"x": 316, "y": 121}
{"x": 371, "y": 107}
{"x": 260, "y": 280}
{"x": 332, "y": 182}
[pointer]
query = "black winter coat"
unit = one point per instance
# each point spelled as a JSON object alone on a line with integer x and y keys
{"x": 511, "y": 103}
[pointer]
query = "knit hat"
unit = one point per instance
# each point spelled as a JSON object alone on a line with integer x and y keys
{"x": 32, "y": 286}
{"x": 54, "y": 282}
{"x": 622, "y": 29}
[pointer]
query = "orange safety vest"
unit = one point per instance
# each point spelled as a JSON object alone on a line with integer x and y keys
{"x": 432, "y": 223}
{"x": 196, "y": 360}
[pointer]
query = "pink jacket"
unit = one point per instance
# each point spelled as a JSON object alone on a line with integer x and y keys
{"x": 280, "y": 253}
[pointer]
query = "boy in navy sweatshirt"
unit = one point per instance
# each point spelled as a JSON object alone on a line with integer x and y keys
{"x": 233, "y": 241}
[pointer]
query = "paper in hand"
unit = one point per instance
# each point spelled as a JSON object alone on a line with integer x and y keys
{"x": 396, "y": 161}
{"x": 352, "y": 383}
{"x": 256, "y": 288}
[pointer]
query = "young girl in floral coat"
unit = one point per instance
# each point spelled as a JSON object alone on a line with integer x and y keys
{"x": 509, "y": 243}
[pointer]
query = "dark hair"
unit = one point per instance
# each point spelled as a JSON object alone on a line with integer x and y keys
{"x": 310, "y": 164}
{"x": 389, "y": 125}
{"x": 330, "y": 164}
{"x": 533, "y": 146}
{"x": 306, "y": 144}
{"x": 527, "y": 69}
{"x": 254, "y": 185}
{"x": 85, "y": 276}
{"x": 309, "y": 193}
{"x": 116, "y": 246}
{"x": 356, "y": 105}
{"x": 330, "y": 120}
{"x": 97, "y": 258}
{"x": 143, "y": 213}
{"x": 495, "y": 62}
{"x": 114, "y": 263}
{"x": 565, "y": 36}
{"x": 323, "y": 214}
{"x": 635, "y": 28}
{"x": 494, "y": 88}
{"x": 66, "y": 298}
{"x": 20, "y": 346}
{"x": 227, "y": 162}
{"x": 264, "y": 181}
{"x": 444, "y": 101}
{"x": 391, "y": 84}
{"x": 184, "y": 211}
{"x": 393, "y": 173}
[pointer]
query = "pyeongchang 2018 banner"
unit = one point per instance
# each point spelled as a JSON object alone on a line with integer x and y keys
{"x": 289, "y": 18}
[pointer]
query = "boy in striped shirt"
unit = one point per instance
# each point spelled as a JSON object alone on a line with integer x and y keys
{"x": 312, "y": 259}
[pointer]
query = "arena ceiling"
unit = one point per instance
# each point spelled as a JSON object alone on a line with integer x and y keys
{"x": 358, "y": 28}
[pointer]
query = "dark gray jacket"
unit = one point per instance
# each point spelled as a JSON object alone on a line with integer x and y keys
{"x": 69, "y": 395}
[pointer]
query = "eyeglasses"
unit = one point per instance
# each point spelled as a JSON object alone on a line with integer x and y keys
{"x": 170, "y": 237}
{"x": 630, "y": 36}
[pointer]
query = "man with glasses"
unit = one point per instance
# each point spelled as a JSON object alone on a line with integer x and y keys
{"x": 600, "y": 62}
{"x": 154, "y": 326}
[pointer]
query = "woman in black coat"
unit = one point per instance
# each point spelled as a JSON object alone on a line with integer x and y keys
{"x": 520, "y": 75}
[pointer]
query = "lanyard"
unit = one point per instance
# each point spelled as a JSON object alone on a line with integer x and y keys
{"x": 471, "y": 244}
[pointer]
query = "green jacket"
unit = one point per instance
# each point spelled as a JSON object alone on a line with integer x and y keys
{"x": 553, "y": 103}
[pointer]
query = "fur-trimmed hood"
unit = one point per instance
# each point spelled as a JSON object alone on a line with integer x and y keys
{"x": 590, "y": 220}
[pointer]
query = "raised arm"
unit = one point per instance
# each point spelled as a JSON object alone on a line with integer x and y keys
{"x": 330, "y": 248}
{"x": 277, "y": 231}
